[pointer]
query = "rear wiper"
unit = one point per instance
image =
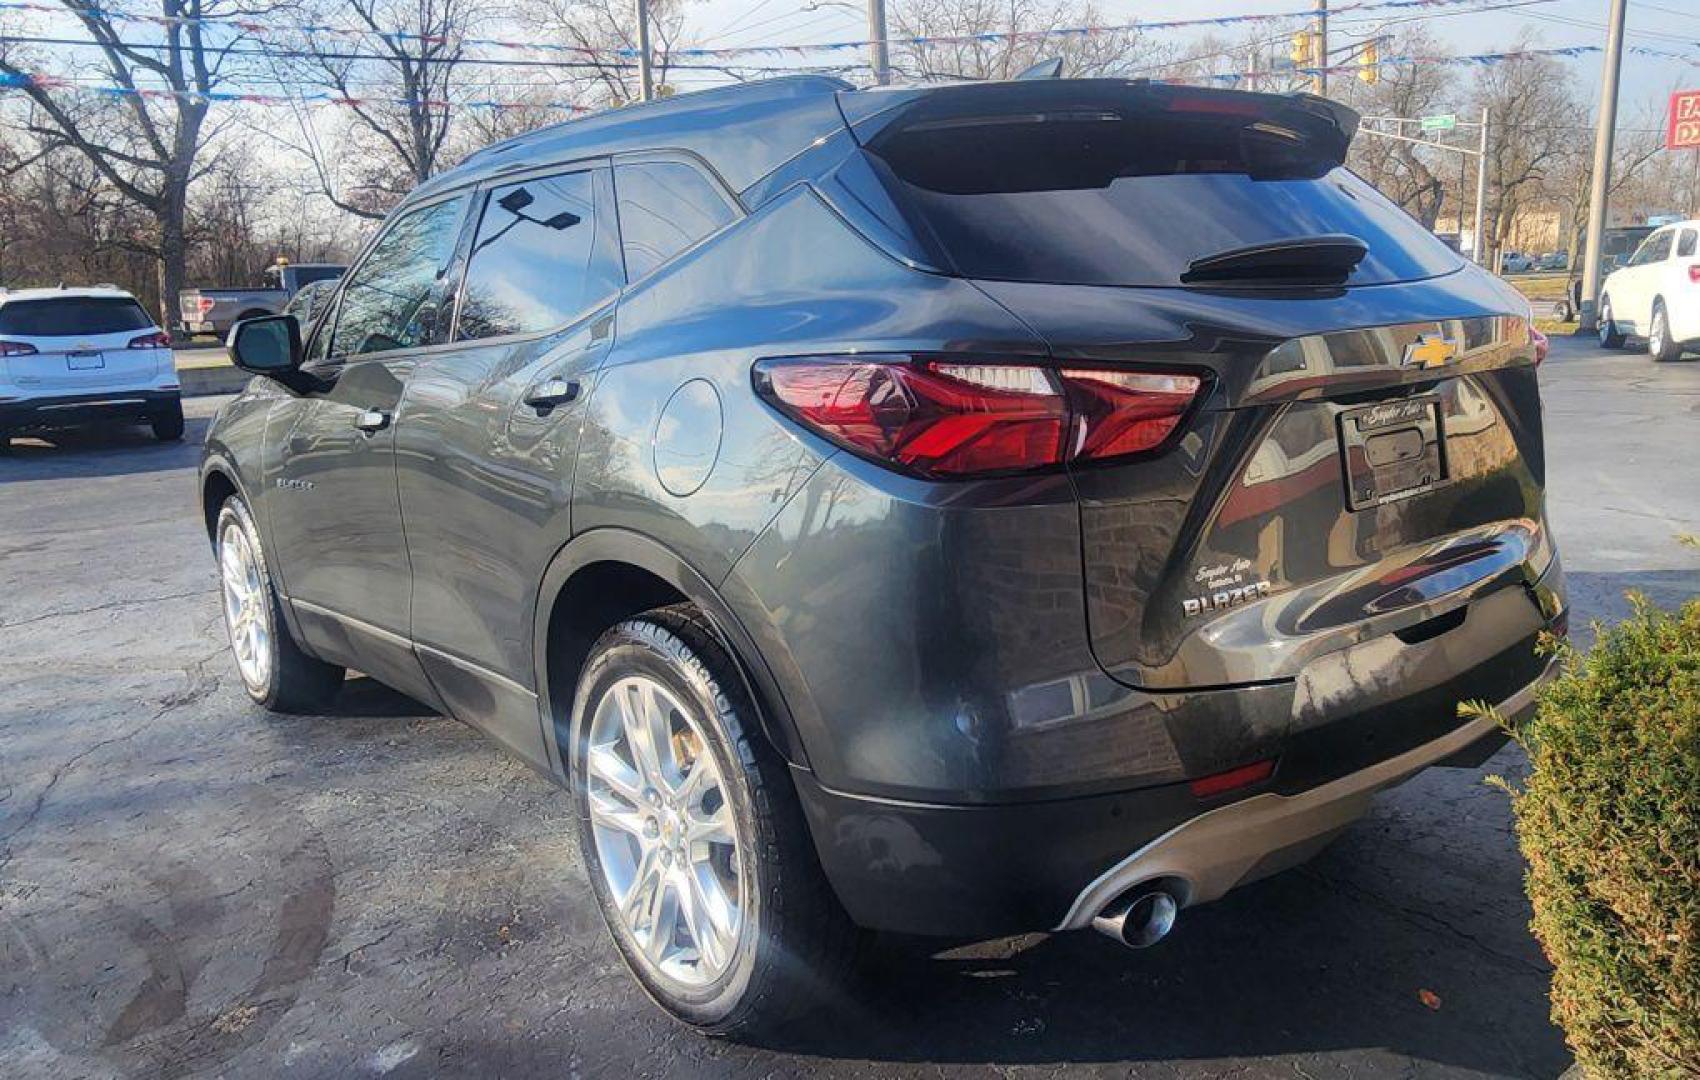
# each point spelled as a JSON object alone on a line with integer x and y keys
{"x": 1326, "y": 259}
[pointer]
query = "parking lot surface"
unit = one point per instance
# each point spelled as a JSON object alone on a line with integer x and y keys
{"x": 189, "y": 886}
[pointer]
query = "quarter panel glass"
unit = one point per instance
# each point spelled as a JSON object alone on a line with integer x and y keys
{"x": 665, "y": 207}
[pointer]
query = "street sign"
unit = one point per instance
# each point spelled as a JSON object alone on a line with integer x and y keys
{"x": 1682, "y": 130}
{"x": 1440, "y": 123}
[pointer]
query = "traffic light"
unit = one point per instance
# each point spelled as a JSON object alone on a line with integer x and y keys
{"x": 1369, "y": 64}
{"x": 1302, "y": 49}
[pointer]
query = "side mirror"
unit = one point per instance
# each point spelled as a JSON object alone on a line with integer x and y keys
{"x": 269, "y": 345}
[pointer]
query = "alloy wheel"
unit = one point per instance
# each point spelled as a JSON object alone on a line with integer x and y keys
{"x": 666, "y": 838}
{"x": 244, "y": 604}
{"x": 1656, "y": 334}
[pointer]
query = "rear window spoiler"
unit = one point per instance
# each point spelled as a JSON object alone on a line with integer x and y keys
{"x": 1290, "y": 125}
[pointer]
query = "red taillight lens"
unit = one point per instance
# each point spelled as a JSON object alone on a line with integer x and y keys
{"x": 1126, "y": 412}
{"x": 933, "y": 419}
{"x": 16, "y": 348}
{"x": 1694, "y": 273}
{"x": 160, "y": 340}
{"x": 1541, "y": 344}
{"x": 1244, "y": 776}
{"x": 947, "y": 418}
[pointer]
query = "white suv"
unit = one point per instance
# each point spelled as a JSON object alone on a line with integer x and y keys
{"x": 75, "y": 357}
{"x": 1656, "y": 294}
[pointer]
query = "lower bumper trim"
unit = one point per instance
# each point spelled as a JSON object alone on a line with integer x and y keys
{"x": 1242, "y": 841}
{"x": 115, "y": 406}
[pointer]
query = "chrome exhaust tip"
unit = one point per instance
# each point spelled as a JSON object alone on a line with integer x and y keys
{"x": 1138, "y": 919}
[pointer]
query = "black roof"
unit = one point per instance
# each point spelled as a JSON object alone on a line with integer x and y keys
{"x": 744, "y": 131}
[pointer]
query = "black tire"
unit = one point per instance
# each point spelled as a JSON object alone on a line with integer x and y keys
{"x": 796, "y": 944}
{"x": 1563, "y": 312}
{"x": 1660, "y": 347}
{"x": 293, "y": 681}
{"x": 1610, "y": 336}
{"x": 167, "y": 423}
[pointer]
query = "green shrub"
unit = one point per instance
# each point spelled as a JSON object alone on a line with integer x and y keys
{"x": 1609, "y": 822}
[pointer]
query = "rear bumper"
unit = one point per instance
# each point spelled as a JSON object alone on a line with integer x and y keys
{"x": 1253, "y": 838}
{"x": 980, "y": 871}
{"x": 79, "y": 410}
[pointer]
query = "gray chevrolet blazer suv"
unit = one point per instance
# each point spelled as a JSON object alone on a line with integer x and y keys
{"x": 953, "y": 510}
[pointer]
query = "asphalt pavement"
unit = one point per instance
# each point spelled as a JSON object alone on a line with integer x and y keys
{"x": 189, "y": 886}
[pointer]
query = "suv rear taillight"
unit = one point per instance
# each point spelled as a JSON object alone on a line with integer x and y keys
{"x": 158, "y": 340}
{"x": 946, "y": 417}
{"x": 16, "y": 348}
{"x": 1694, "y": 273}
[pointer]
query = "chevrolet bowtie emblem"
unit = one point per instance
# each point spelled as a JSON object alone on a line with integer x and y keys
{"x": 1431, "y": 351}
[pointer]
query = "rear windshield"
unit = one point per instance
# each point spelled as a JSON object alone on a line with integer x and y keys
{"x": 72, "y": 316}
{"x": 1100, "y": 198}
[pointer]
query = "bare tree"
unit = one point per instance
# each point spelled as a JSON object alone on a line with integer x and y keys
{"x": 1532, "y": 108}
{"x": 395, "y": 121}
{"x": 1416, "y": 178}
{"x": 146, "y": 144}
{"x": 1637, "y": 151}
{"x": 1023, "y": 24}
{"x": 602, "y": 28}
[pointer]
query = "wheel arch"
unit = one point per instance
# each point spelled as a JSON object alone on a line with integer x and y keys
{"x": 216, "y": 487}
{"x": 219, "y": 480}
{"x": 609, "y": 574}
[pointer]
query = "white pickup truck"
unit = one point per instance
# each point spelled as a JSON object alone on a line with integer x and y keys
{"x": 215, "y": 311}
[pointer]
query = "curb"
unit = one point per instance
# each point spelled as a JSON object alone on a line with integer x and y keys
{"x": 205, "y": 381}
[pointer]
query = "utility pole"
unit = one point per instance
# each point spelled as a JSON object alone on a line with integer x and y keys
{"x": 878, "y": 58}
{"x": 1463, "y": 178}
{"x": 1604, "y": 131}
{"x": 646, "y": 80}
{"x": 1319, "y": 81}
{"x": 1481, "y": 190}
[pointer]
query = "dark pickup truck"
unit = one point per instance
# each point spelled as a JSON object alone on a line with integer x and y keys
{"x": 215, "y": 311}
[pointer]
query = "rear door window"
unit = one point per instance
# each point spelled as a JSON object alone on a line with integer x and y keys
{"x": 1106, "y": 193}
{"x": 665, "y": 207}
{"x": 1655, "y": 248}
{"x": 1685, "y": 244}
{"x": 394, "y": 298}
{"x": 72, "y": 316}
{"x": 543, "y": 254}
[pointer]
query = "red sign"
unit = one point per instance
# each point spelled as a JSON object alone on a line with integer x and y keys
{"x": 1683, "y": 129}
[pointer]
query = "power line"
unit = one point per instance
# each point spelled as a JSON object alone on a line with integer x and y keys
{"x": 309, "y": 54}
{"x": 1665, "y": 10}
{"x": 263, "y": 30}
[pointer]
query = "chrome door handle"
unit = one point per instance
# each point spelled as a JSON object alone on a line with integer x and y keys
{"x": 372, "y": 420}
{"x": 550, "y": 393}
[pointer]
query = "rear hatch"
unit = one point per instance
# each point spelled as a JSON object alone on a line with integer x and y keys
{"x": 195, "y": 307}
{"x": 1363, "y": 468}
{"x": 82, "y": 345}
